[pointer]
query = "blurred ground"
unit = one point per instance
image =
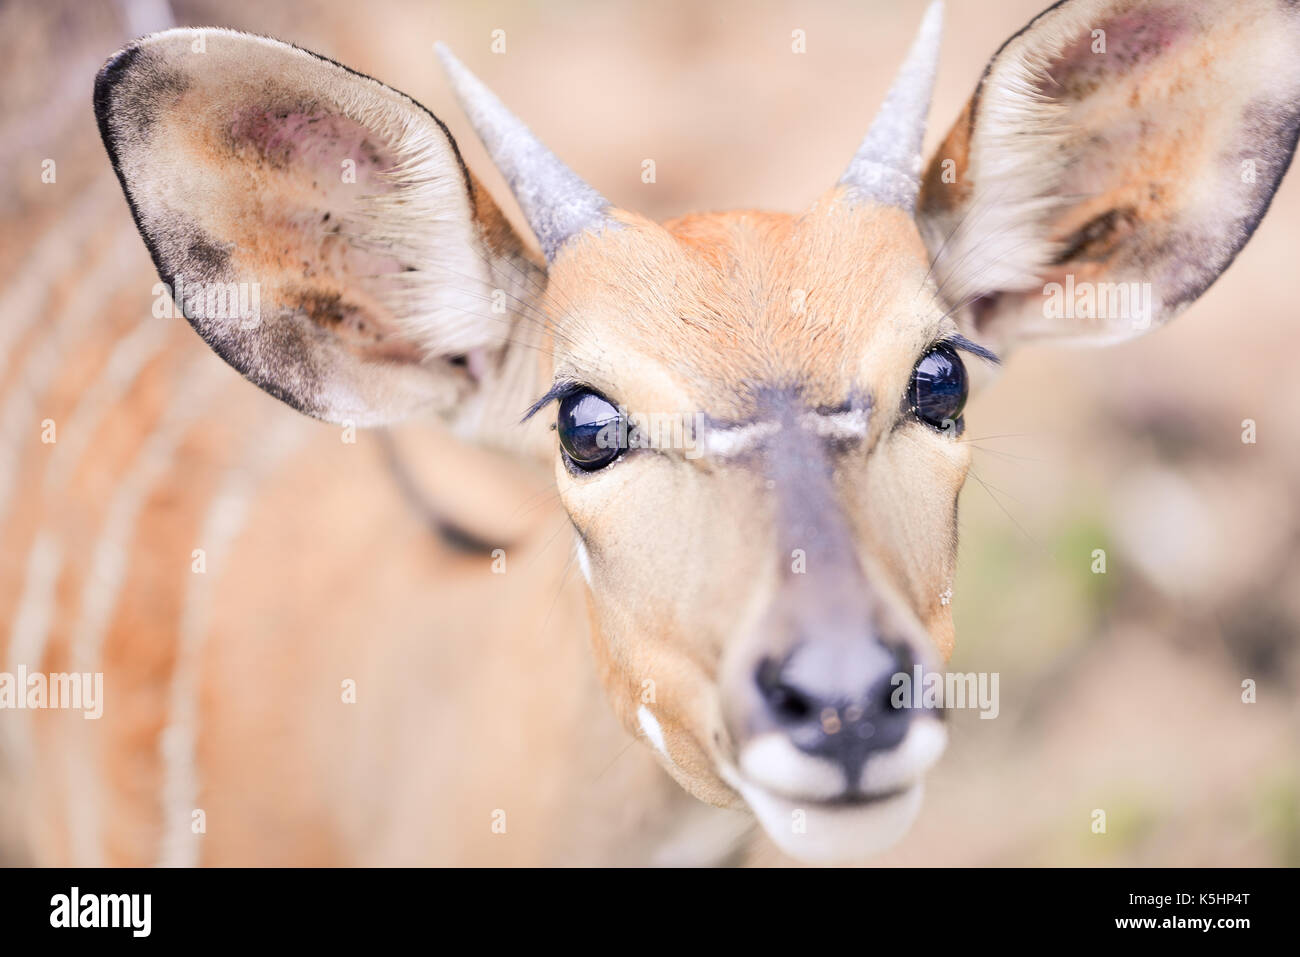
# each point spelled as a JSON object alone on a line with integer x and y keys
{"x": 1119, "y": 691}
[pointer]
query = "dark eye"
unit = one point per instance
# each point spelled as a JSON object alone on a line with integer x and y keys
{"x": 938, "y": 390}
{"x": 591, "y": 430}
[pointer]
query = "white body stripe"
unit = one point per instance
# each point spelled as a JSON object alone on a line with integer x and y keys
{"x": 107, "y": 575}
{"x": 21, "y": 407}
{"x": 222, "y": 523}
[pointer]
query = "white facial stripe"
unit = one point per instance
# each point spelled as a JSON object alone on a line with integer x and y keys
{"x": 836, "y": 425}
{"x": 739, "y": 440}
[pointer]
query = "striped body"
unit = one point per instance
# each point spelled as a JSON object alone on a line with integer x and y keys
{"x": 224, "y": 689}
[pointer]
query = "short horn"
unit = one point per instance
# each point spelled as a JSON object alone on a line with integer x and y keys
{"x": 887, "y": 166}
{"x": 556, "y": 202}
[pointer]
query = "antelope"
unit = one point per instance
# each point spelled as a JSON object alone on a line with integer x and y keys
{"x": 753, "y": 585}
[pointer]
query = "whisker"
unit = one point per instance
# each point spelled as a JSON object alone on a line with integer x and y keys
{"x": 1006, "y": 456}
{"x": 1011, "y": 518}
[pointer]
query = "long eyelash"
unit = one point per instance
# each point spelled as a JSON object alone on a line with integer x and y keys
{"x": 958, "y": 341}
{"x": 560, "y": 390}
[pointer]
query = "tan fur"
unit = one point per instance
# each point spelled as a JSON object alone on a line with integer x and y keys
{"x": 286, "y": 773}
{"x": 1109, "y": 159}
{"x": 667, "y": 615}
{"x": 485, "y": 698}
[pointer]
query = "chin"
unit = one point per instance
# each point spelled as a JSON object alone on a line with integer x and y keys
{"x": 834, "y": 832}
{"x": 817, "y": 826}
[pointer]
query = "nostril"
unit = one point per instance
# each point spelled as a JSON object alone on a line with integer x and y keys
{"x": 885, "y": 697}
{"x": 815, "y": 696}
{"x": 789, "y": 704}
{"x": 784, "y": 701}
{"x": 903, "y": 662}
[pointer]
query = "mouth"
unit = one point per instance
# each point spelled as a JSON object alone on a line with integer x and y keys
{"x": 861, "y": 800}
{"x": 837, "y": 831}
{"x": 817, "y": 826}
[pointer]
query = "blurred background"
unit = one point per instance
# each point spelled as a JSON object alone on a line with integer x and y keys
{"x": 1119, "y": 691}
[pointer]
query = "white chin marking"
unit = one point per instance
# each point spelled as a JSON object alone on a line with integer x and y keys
{"x": 650, "y": 728}
{"x": 811, "y": 827}
{"x": 584, "y": 560}
{"x": 833, "y": 834}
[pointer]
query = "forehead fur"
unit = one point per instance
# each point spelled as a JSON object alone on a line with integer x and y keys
{"x": 715, "y": 310}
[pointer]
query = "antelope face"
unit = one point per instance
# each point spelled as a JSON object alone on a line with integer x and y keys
{"x": 758, "y": 578}
{"x": 761, "y": 572}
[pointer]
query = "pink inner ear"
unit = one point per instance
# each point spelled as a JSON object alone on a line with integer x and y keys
{"x": 1131, "y": 40}
{"x": 315, "y": 140}
{"x": 317, "y": 193}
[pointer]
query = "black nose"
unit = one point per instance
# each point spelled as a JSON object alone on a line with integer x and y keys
{"x": 835, "y": 706}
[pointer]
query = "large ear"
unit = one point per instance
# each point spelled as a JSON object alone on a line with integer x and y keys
{"x": 374, "y": 278}
{"x": 1112, "y": 143}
